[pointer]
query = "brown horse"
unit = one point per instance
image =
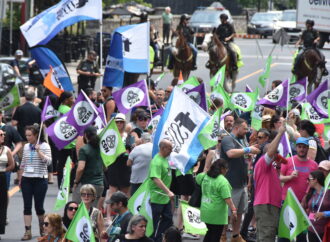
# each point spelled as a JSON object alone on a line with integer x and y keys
{"x": 183, "y": 58}
{"x": 219, "y": 56}
{"x": 312, "y": 66}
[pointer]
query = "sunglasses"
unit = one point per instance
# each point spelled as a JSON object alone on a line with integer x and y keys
{"x": 310, "y": 179}
{"x": 103, "y": 90}
{"x": 219, "y": 141}
{"x": 260, "y": 137}
{"x": 143, "y": 119}
{"x": 72, "y": 208}
{"x": 46, "y": 224}
{"x": 86, "y": 194}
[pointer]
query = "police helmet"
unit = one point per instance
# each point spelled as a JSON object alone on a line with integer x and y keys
{"x": 310, "y": 22}
{"x": 144, "y": 16}
{"x": 224, "y": 16}
{"x": 184, "y": 17}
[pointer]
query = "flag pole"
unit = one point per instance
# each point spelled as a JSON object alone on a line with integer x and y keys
{"x": 39, "y": 135}
{"x": 101, "y": 51}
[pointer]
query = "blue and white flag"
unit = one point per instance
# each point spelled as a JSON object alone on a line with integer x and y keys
{"x": 46, "y": 58}
{"x": 129, "y": 51}
{"x": 40, "y": 29}
{"x": 181, "y": 124}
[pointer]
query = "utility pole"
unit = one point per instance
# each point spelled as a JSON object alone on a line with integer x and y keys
{"x": 11, "y": 28}
{"x": 3, "y": 5}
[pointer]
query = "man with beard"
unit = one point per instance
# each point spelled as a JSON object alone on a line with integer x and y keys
{"x": 228, "y": 123}
{"x": 159, "y": 101}
{"x": 235, "y": 150}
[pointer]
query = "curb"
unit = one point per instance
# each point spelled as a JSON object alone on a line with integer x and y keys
{"x": 248, "y": 36}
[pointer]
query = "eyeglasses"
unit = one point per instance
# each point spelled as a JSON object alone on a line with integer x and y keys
{"x": 260, "y": 137}
{"x": 46, "y": 224}
{"x": 119, "y": 121}
{"x": 168, "y": 91}
{"x": 72, "y": 208}
{"x": 219, "y": 141}
{"x": 310, "y": 179}
{"x": 86, "y": 194}
{"x": 143, "y": 119}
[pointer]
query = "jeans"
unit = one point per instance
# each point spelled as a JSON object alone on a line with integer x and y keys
{"x": 166, "y": 32}
{"x": 213, "y": 233}
{"x": 34, "y": 188}
{"x": 194, "y": 49}
{"x": 162, "y": 219}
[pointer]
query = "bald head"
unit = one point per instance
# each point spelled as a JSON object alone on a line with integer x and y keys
{"x": 165, "y": 147}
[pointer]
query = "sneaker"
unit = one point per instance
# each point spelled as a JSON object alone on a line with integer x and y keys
{"x": 190, "y": 236}
{"x": 27, "y": 235}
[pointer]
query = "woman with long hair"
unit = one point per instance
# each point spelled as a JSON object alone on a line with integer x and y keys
{"x": 216, "y": 197}
{"x": 70, "y": 210}
{"x": 34, "y": 181}
{"x": 90, "y": 166}
{"x": 6, "y": 165}
{"x": 54, "y": 231}
{"x": 320, "y": 218}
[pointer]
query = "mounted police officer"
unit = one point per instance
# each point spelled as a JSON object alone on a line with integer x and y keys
{"x": 188, "y": 33}
{"x": 226, "y": 33}
{"x": 309, "y": 38}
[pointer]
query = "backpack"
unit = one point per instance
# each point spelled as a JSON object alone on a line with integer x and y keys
{"x": 321, "y": 154}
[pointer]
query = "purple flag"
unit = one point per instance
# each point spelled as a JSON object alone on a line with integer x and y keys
{"x": 134, "y": 95}
{"x": 61, "y": 132}
{"x": 225, "y": 115}
{"x": 82, "y": 114}
{"x": 298, "y": 90}
{"x": 198, "y": 95}
{"x": 100, "y": 121}
{"x": 319, "y": 99}
{"x": 284, "y": 147}
{"x": 277, "y": 97}
{"x": 248, "y": 88}
{"x": 48, "y": 111}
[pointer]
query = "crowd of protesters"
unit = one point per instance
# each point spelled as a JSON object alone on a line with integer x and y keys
{"x": 243, "y": 179}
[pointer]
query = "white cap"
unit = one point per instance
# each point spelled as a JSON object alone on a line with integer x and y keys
{"x": 18, "y": 52}
{"x": 120, "y": 117}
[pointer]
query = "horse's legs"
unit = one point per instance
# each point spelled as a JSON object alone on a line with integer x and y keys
{"x": 234, "y": 76}
{"x": 311, "y": 80}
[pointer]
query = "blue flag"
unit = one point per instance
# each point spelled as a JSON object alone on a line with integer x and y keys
{"x": 46, "y": 58}
{"x": 43, "y": 27}
{"x": 129, "y": 51}
{"x": 181, "y": 124}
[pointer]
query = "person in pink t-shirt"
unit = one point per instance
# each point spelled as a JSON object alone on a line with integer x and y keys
{"x": 295, "y": 173}
{"x": 267, "y": 198}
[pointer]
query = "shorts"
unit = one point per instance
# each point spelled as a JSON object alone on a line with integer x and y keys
{"x": 240, "y": 200}
{"x": 267, "y": 228}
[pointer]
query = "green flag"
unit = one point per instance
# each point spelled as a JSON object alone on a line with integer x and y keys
{"x": 111, "y": 143}
{"x": 80, "y": 228}
{"x": 326, "y": 132}
{"x": 189, "y": 84}
{"x": 11, "y": 99}
{"x": 309, "y": 113}
{"x": 219, "y": 92}
{"x": 219, "y": 77}
{"x": 63, "y": 193}
{"x": 293, "y": 219}
{"x": 192, "y": 220}
{"x": 265, "y": 75}
{"x": 256, "y": 117}
{"x": 159, "y": 78}
{"x": 244, "y": 101}
{"x": 209, "y": 134}
{"x": 139, "y": 203}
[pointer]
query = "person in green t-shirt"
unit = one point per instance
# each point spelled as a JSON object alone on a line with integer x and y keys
{"x": 160, "y": 176}
{"x": 90, "y": 166}
{"x": 66, "y": 101}
{"x": 216, "y": 197}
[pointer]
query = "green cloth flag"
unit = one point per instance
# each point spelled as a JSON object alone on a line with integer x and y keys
{"x": 293, "y": 219}
{"x": 265, "y": 75}
{"x": 111, "y": 143}
{"x": 139, "y": 203}
{"x": 11, "y": 99}
{"x": 326, "y": 132}
{"x": 220, "y": 92}
{"x": 256, "y": 117}
{"x": 80, "y": 228}
{"x": 63, "y": 193}
{"x": 293, "y": 79}
{"x": 309, "y": 113}
{"x": 192, "y": 220}
{"x": 327, "y": 182}
{"x": 244, "y": 101}
{"x": 219, "y": 77}
{"x": 208, "y": 136}
{"x": 189, "y": 84}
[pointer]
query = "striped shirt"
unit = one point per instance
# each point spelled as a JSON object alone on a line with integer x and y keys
{"x": 32, "y": 164}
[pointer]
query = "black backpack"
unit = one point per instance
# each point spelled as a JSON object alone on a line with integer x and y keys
{"x": 321, "y": 154}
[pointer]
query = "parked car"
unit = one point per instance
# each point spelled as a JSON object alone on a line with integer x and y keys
{"x": 263, "y": 23}
{"x": 289, "y": 25}
{"x": 204, "y": 20}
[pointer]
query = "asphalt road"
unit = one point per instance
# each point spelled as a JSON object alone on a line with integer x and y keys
{"x": 254, "y": 63}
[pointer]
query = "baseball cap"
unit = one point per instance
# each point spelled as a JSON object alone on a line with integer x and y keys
{"x": 120, "y": 117}
{"x": 302, "y": 140}
{"x": 18, "y": 52}
{"x": 296, "y": 112}
{"x": 325, "y": 164}
{"x": 117, "y": 197}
